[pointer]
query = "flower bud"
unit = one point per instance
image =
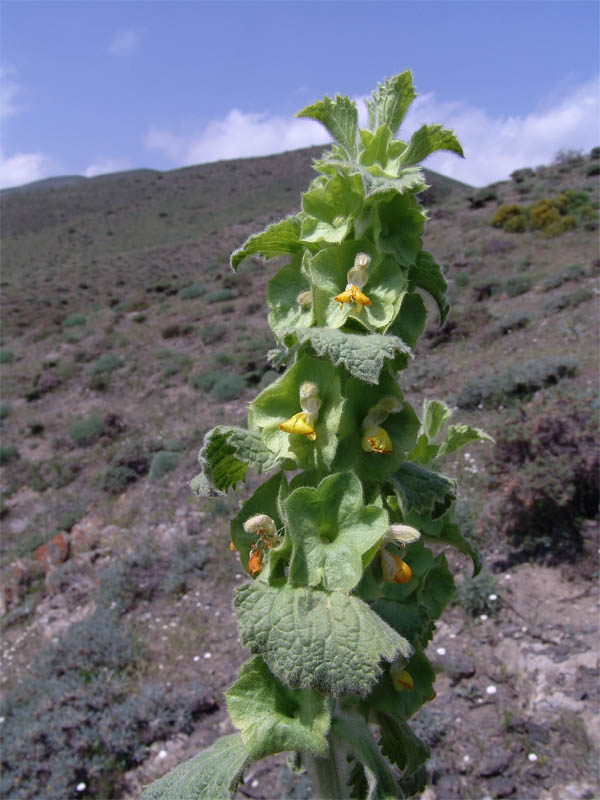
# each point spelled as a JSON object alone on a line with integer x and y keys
{"x": 304, "y": 298}
{"x": 358, "y": 275}
{"x": 264, "y": 527}
{"x": 376, "y": 440}
{"x": 402, "y": 535}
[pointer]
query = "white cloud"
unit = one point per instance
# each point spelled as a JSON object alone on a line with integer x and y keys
{"x": 493, "y": 146}
{"x": 23, "y": 168}
{"x": 9, "y": 91}
{"x": 104, "y": 165}
{"x": 125, "y": 42}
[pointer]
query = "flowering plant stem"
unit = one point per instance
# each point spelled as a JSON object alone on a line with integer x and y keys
{"x": 345, "y": 560}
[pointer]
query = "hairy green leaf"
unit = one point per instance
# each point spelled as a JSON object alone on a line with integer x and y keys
{"x": 330, "y": 209}
{"x": 390, "y": 101}
{"x": 363, "y": 356}
{"x": 435, "y": 416}
{"x": 272, "y": 717}
{"x": 400, "y": 744}
{"x": 328, "y": 641}
{"x": 411, "y": 319}
{"x": 420, "y": 489}
{"x": 277, "y": 240}
{"x": 354, "y": 730}
{"x": 332, "y": 531}
{"x": 403, "y": 704}
{"x": 427, "y": 274}
{"x": 426, "y": 141}
{"x": 398, "y": 224}
{"x": 283, "y": 293}
{"x": 211, "y": 775}
{"x": 460, "y": 435}
{"x": 227, "y": 453}
{"x": 340, "y": 117}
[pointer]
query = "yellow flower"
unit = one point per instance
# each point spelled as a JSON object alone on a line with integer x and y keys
{"x": 401, "y": 679}
{"x": 376, "y": 440}
{"x": 352, "y": 294}
{"x": 299, "y": 424}
{"x": 255, "y": 564}
{"x": 393, "y": 569}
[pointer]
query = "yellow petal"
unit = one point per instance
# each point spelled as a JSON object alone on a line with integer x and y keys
{"x": 401, "y": 679}
{"x": 255, "y": 564}
{"x": 376, "y": 440}
{"x": 299, "y": 424}
{"x": 359, "y": 298}
{"x": 232, "y": 547}
{"x": 344, "y": 297}
{"x": 393, "y": 569}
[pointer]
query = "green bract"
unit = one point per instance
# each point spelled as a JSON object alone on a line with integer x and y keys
{"x": 343, "y": 590}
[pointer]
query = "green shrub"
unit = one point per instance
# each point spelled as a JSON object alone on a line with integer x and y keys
{"x": 54, "y": 474}
{"x": 519, "y": 381}
{"x": 174, "y": 330}
{"x": 117, "y": 478}
{"x": 6, "y": 356}
{"x": 186, "y": 559}
{"x": 482, "y": 197}
{"x": 517, "y": 285}
{"x": 513, "y": 322}
{"x": 478, "y": 595}
{"x": 206, "y": 381}
{"x": 222, "y": 358}
{"x": 545, "y": 466}
{"x": 213, "y": 332}
{"x": 5, "y": 410}
{"x": 218, "y": 296}
{"x": 74, "y": 719}
{"x": 571, "y": 300}
{"x": 75, "y": 319}
{"x": 227, "y": 387}
{"x": 595, "y": 152}
{"x": 519, "y": 175}
{"x": 571, "y": 273}
{"x": 163, "y": 462}
{"x": 107, "y": 363}
{"x": 192, "y": 291}
{"x": 8, "y": 453}
{"x": 594, "y": 169}
{"x": 86, "y": 431}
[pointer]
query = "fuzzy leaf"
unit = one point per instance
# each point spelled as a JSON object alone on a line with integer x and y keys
{"x": 226, "y": 455}
{"x": 435, "y": 415}
{"x": 426, "y": 141}
{"x": 403, "y": 704}
{"x": 460, "y": 435}
{"x": 332, "y": 531}
{"x": 378, "y": 181}
{"x": 428, "y": 275}
{"x": 391, "y": 101}
{"x": 385, "y": 287}
{"x": 339, "y": 116}
{"x": 375, "y": 146}
{"x": 328, "y": 641}
{"x": 211, "y": 775}
{"x": 446, "y": 531}
{"x": 411, "y": 319}
{"x": 331, "y": 208}
{"x": 400, "y": 744}
{"x": 363, "y": 356}
{"x": 277, "y": 240}
{"x": 272, "y": 717}
{"x": 398, "y": 224}
{"x": 280, "y": 401}
{"x": 283, "y": 290}
{"x": 381, "y": 782}
{"x": 421, "y": 490}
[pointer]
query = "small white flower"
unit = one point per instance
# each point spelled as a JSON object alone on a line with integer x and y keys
{"x": 441, "y": 651}
{"x": 491, "y": 690}
{"x": 483, "y": 617}
{"x": 532, "y": 757}
{"x": 254, "y": 783}
{"x": 466, "y": 759}
{"x": 162, "y": 754}
{"x": 207, "y": 655}
{"x": 80, "y": 786}
{"x": 493, "y": 597}
{"x": 196, "y": 658}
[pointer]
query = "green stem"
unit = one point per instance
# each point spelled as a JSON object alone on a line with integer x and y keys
{"x": 329, "y": 775}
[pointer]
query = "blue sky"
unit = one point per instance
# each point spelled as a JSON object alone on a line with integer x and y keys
{"x": 91, "y": 87}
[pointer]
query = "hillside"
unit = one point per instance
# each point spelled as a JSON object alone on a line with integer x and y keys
{"x": 125, "y": 337}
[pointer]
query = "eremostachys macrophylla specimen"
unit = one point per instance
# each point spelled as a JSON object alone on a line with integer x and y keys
{"x": 343, "y": 542}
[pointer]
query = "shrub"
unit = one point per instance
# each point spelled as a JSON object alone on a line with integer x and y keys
{"x": 227, "y": 387}
{"x": 186, "y": 559}
{"x": 482, "y": 197}
{"x": 513, "y": 322}
{"x": 595, "y": 152}
{"x": 8, "y": 453}
{"x": 519, "y": 381}
{"x": 473, "y": 595}
{"x": 511, "y": 218}
{"x": 107, "y": 363}
{"x": 571, "y": 273}
{"x": 517, "y": 285}
{"x": 218, "y": 296}
{"x": 86, "y": 431}
{"x": 6, "y": 356}
{"x": 546, "y": 468}
{"x": 163, "y": 462}
{"x": 213, "y": 332}
{"x": 5, "y": 410}
{"x": 192, "y": 291}
{"x": 594, "y": 169}
{"x": 73, "y": 719}
{"x": 75, "y": 319}
{"x": 572, "y": 300}
{"x": 206, "y": 381}
{"x": 117, "y": 478}
{"x": 519, "y": 175}
{"x": 54, "y": 474}
{"x": 222, "y": 358}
